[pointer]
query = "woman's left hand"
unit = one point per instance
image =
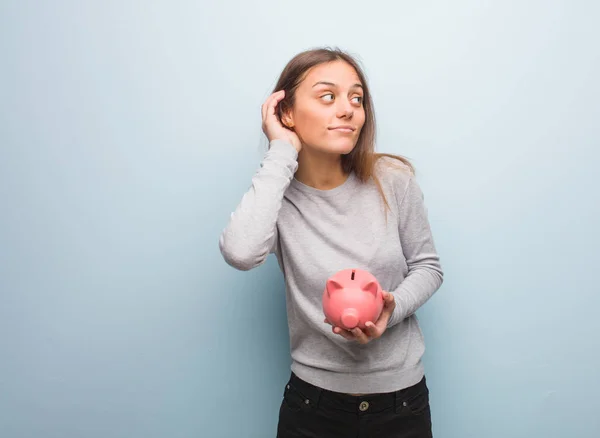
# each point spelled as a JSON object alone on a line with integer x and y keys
{"x": 372, "y": 330}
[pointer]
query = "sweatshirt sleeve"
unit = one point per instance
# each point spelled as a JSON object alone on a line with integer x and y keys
{"x": 251, "y": 233}
{"x": 425, "y": 274}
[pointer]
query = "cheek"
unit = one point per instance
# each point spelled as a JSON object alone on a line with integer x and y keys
{"x": 312, "y": 120}
{"x": 360, "y": 117}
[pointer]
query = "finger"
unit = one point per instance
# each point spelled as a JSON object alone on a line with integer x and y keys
{"x": 371, "y": 330}
{"x": 276, "y": 98}
{"x": 360, "y": 335}
{"x": 388, "y": 308}
{"x": 388, "y": 299}
{"x": 263, "y": 109}
{"x": 265, "y": 106}
{"x": 343, "y": 333}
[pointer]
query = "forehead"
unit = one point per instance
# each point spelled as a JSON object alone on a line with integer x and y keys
{"x": 338, "y": 72}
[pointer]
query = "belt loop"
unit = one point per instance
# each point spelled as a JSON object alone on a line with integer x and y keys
{"x": 318, "y": 396}
{"x": 398, "y": 402}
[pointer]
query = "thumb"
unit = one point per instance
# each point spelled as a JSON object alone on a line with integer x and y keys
{"x": 388, "y": 299}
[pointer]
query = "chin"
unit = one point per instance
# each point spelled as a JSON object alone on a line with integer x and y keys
{"x": 343, "y": 148}
{"x": 338, "y": 147}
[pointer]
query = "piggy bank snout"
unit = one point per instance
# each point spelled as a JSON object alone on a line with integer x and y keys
{"x": 350, "y": 318}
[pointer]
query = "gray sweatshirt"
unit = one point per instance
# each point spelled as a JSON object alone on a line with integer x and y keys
{"x": 316, "y": 233}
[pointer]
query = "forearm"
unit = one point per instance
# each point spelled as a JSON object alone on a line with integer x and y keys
{"x": 425, "y": 274}
{"x": 251, "y": 232}
{"x": 424, "y": 278}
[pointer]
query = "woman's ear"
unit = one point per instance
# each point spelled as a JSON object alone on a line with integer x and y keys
{"x": 287, "y": 120}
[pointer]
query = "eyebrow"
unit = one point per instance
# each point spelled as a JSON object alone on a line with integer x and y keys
{"x": 331, "y": 84}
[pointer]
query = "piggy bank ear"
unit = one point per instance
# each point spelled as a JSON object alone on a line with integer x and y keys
{"x": 333, "y": 286}
{"x": 372, "y": 287}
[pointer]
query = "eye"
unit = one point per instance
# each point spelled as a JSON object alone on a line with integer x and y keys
{"x": 327, "y": 95}
{"x": 359, "y": 99}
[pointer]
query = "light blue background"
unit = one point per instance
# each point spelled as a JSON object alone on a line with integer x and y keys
{"x": 130, "y": 130}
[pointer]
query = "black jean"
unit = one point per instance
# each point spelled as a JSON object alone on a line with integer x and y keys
{"x": 308, "y": 411}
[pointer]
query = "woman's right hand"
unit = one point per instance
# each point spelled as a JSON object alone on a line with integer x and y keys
{"x": 271, "y": 125}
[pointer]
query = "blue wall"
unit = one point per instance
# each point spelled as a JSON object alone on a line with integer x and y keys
{"x": 130, "y": 130}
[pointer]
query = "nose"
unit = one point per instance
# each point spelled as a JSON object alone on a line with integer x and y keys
{"x": 344, "y": 110}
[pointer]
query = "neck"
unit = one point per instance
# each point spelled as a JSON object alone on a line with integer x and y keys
{"x": 320, "y": 170}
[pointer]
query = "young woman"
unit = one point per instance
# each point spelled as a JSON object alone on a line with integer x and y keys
{"x": 322, "y": 201}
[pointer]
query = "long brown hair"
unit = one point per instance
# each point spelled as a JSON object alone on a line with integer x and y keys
{"x": 363, "y": 158}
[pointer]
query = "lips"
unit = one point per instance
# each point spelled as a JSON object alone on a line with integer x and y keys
{"x": 343, "y": 128}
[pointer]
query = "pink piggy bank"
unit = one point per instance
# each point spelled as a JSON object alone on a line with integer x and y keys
{"x": 351, "y": 298}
